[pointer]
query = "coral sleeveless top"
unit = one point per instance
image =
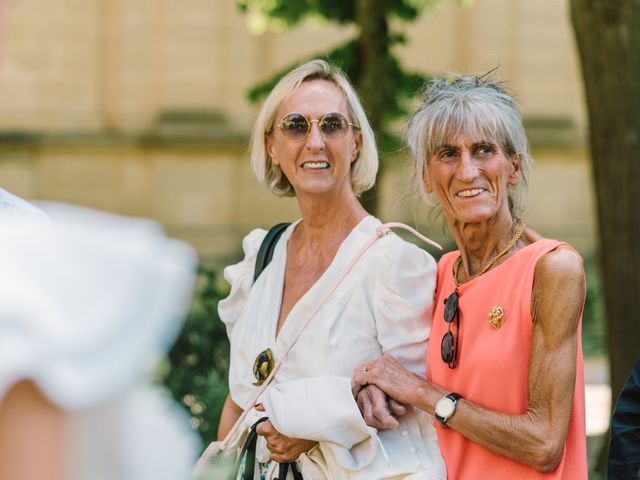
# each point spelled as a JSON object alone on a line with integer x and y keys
{"x": 493, "y": 365}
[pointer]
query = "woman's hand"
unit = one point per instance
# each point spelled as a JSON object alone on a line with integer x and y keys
{"x": 283, "y": 449}
{"x": 378, "y": 410}
{"x": 391, "y": 377}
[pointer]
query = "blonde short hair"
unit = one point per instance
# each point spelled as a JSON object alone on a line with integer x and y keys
{"x": 482, "y": 109}
{"x": 363, "y": 169}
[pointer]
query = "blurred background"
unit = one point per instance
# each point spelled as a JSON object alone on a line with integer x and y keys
{"x": 142, "y": 108}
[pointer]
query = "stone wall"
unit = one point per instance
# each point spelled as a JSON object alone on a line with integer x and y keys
{"x": 139, "y": 107}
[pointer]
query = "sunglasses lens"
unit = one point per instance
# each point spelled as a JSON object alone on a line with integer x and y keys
{"x": 294, "y": 126}
{"x": 446, "y": 347}
{"x": 450, "y": 307}
{"x": 334, "y": 125}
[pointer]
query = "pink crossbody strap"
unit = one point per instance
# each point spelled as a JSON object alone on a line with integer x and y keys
{"x": 381, "y": 231}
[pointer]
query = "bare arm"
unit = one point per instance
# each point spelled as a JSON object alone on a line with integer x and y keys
{"x": 230, "y": 413}
{"x": 32, "y": 433}
{"x": 536, "y": 437}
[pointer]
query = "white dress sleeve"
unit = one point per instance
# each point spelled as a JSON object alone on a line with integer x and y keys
{"x": 403, "y": 302}
{"x": 88, "y": 304}
{"x": 240, "y": 277}
{"x": 322, "y": 408}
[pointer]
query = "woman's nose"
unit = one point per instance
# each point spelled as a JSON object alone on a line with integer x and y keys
{"x": 315, "y": 139}
{"x": 468, "y": 169}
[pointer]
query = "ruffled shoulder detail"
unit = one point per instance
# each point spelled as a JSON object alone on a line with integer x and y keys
{"x": 240, "y": 277}
{"x": 402, "y": 266}
{"x": 405, "y": 281}
{"x": 89, "y": 303}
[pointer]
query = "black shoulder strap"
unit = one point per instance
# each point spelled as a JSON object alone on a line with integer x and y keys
{"x": 284, "y": 468}
{"x": 268, "y": 245}
{"x": 249, "y": 452}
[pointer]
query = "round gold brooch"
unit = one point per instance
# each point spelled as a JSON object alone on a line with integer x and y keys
{"x": 496, "y": 317}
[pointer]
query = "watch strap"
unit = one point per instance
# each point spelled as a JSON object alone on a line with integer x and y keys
{"x": 454, "y": 396}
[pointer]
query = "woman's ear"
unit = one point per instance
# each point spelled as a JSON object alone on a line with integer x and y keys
{"x": 514, "y": 176}
{"x": 357, "y": 145}
{"x": 426, "y": 181}
{"x": 271, "y": 150}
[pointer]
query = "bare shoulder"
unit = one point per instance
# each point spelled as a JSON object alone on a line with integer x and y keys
{"x": 563, "y": 264}
{"x": 558, "y": 291}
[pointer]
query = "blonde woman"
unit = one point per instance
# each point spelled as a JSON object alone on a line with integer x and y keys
{"x": 312, "y": 140}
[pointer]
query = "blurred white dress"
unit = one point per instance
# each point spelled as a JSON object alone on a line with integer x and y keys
{"x": 88, "y": 304}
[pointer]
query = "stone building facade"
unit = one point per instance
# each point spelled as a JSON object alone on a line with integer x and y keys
{"x": 139, "y": 107}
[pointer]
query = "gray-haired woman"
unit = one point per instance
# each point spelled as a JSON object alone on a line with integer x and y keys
{"x": 506, "y": 382}
{"x": 312, "y": 140}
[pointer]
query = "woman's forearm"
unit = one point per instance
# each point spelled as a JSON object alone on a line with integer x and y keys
{"x": 230, "y": 413}
{"x": 535, "y": 438}
{"x": 529, "y": 438}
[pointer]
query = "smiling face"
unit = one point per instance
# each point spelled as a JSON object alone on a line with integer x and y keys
{"x": 471, "y": 178}
{"x": 315, "y": 165}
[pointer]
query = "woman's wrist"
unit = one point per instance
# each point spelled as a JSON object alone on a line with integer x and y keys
{"x": 426, "y": 395}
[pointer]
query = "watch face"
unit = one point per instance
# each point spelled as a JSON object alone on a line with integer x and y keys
{"x": 445, "y": 407}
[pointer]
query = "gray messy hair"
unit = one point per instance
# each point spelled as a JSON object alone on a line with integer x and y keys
{"x": 479, "y": 107}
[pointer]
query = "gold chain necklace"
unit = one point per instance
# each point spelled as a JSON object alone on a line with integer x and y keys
{"x": 507, "y": 249}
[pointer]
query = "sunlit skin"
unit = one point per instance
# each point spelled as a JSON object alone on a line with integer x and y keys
{"x": 314, "y": 99}
{"x": 33, "y": 435}
{"x": 470, "y": 179}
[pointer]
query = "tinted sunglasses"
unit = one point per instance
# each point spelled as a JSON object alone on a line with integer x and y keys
{"x": 333, "y": 126}
{"x": 449, "y": 345}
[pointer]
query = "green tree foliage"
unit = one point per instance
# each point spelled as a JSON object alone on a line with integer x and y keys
{"x": 594, "y": 339}
{"x": 386, "y": 88}
{"x": 199, "y": 360}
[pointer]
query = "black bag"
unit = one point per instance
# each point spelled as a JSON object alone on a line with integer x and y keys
{"x": 248, "y": 453}
{"x": 268, "y": 245}
{"x": 282, "y": 473}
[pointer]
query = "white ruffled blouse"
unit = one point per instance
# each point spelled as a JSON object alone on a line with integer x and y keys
{"x": 88, "y": 304}
{"x": 382, "y": 307}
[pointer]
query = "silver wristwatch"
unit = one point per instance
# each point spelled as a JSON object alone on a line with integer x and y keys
{"x": 446, "y": 407}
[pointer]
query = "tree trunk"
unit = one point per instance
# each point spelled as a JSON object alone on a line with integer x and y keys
{"x": 608, "y": 38}
{"x": 373, "y": 42}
